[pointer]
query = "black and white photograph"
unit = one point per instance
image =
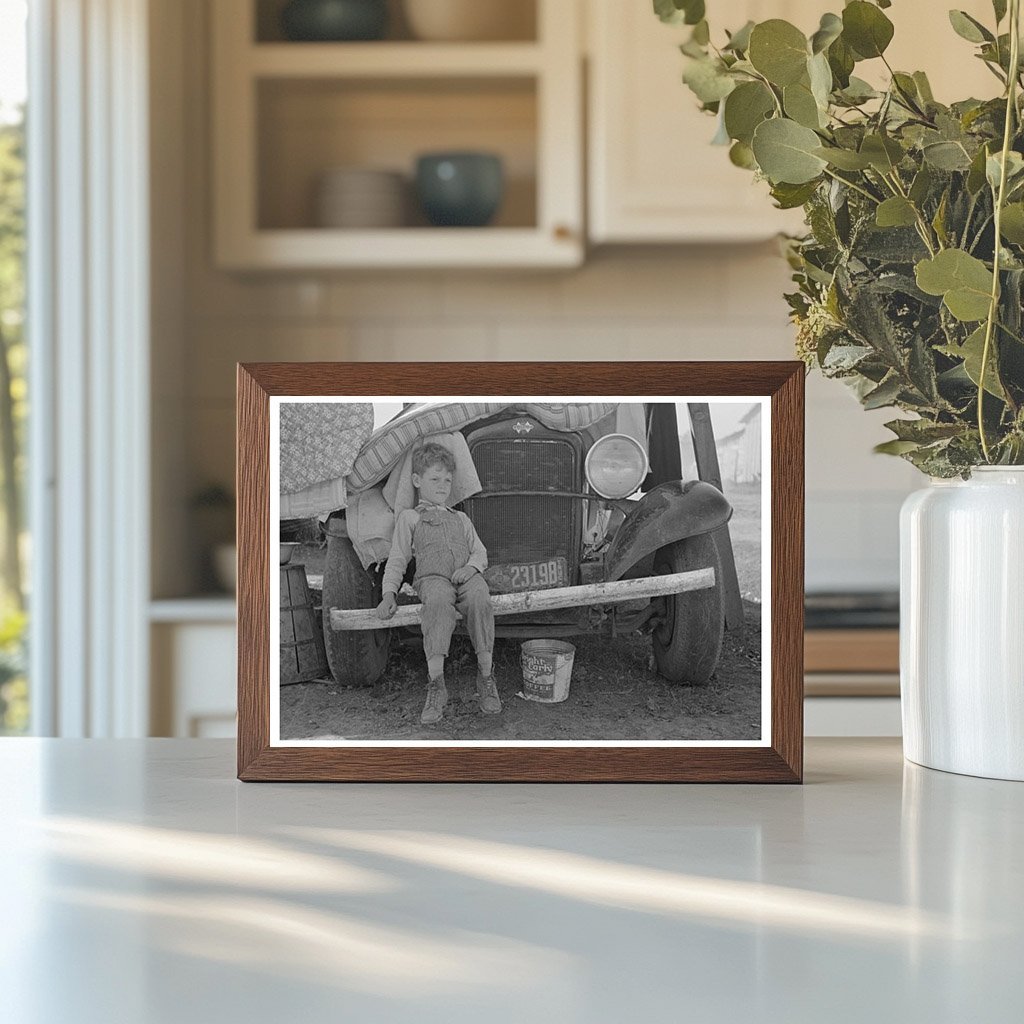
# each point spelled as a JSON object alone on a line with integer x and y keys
{"x": 520, "y": 571}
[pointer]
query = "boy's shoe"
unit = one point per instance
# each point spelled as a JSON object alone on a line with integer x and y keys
{"x": 437, "y": 697}
{"x": 487, "y": 693}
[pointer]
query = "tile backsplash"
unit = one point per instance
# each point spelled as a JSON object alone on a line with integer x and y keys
{"x": 716, "y": 302}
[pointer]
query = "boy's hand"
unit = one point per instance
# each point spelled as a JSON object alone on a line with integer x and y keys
{"x": 462, "y": 575}
{"x": 386, "y": 609}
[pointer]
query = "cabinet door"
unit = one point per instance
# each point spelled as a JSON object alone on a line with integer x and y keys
{"x": 653, "y": 174}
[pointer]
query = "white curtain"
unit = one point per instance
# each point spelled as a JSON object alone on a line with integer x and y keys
{"x": 88, "y": 319}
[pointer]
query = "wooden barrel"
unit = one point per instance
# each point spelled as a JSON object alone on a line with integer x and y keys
{"x": 303, "y": 657}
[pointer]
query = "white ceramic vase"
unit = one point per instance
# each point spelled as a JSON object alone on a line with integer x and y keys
{"x": 962, "y": 624}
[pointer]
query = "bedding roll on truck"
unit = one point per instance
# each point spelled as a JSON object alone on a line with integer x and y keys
{"x": 588, "y": 528}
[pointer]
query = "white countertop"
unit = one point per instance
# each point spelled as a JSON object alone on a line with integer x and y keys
{"x": 143, "y": 884}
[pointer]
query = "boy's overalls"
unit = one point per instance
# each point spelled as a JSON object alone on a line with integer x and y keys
{"x": 440, "y": 546}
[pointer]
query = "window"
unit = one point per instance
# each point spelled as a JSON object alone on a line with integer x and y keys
{"x": 14, "y": 548}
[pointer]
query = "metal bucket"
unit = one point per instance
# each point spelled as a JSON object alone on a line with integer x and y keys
{"x": 547, "y": 668}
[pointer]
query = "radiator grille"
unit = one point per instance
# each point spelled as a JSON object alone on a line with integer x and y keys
{"x": 519, "y": 529}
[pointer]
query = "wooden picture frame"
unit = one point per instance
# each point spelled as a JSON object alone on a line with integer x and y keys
{"x": 779, "y": 758}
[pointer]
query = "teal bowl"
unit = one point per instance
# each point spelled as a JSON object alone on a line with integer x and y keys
{"x": 462, "y": 190}
{"x": 333, "y": 21}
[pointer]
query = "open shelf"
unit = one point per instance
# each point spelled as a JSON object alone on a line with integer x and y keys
{"x": 306, "y": 128}
{"x": 393, "y": 60}
{"x": 288, "y": 113}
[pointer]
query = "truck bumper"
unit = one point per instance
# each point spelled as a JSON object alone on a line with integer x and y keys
{"x": 598, "y": 594}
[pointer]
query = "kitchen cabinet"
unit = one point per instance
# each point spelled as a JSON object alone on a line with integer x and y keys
{"x": 653, "y": 175}
{"x": 286, "y": 113}
{"x": 193, "y": 668}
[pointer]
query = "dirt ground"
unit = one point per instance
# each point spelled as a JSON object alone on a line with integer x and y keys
{"x": 615, "y": 694}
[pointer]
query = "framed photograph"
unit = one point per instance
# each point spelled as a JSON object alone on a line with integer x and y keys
{"x": 520, "y": 572}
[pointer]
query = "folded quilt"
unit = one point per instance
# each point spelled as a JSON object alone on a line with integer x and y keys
{"x": 320, "y": 441}
{"x": 392, "y": 441}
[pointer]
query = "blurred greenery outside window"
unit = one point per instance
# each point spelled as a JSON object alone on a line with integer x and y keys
{"x": 14, "y": 551}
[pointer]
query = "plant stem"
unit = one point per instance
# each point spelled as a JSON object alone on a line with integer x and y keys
{"x": 771, "y": 90}
{"x": 993, "y": 309}
{"x": 855, "y": 187}
{"x": 922, "y": 225}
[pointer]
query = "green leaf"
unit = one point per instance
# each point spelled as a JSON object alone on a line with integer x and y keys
{"x": 742, "y": 155}
{"x": 841, "y": 60}
{"x": 830, "y": 28}
{"x": 694, "y": 11}
{"x": 923, "y": 431}
{"x": 789, "y": 197}
{"x": 883, "y": 153}
{"x": 895, "y": 447}
{"x": 994, "y": 167}
{"x": 779, "y": 51}
{"x": 866, "y": 29}
{"x": 946, "y": 156}
{"x": 721, "y": 136}
{"x": 820, "y": 75}
{"x": 968, "y": 28}
{"x": 745, "y": 108}
{"x": 896, "y": 212}
{"x": 739, "y": 41}
{"x": 921, "y": 185}
{"x": 1011, "y": 225}
{"x": 844, "y": 159}
{"x": 939, "y": 220}
{"x": 675, "y": 12}
{"x": 924, "y": 88}
{"x": 708, "y": 81}
{"x": 885, "y": 394}
{"x": 906, "y": 88}
{"x": 800, "y": 105}
{"x": 963, "y": 281}
{"x": 785, "y": 152}
{"x": 859, "y": 91}
{"x": 976, "y": 175}
{"x": 971, "y": 352}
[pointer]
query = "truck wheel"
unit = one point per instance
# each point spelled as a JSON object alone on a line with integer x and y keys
{"x": 688, "y": 643}
{"x": 356, "y": 657}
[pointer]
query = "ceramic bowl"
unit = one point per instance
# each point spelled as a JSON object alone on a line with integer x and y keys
{"x": 334, "y": 20}
{"x": 358, "y": 197}
{"x": 461, "y": 189}
{"x": 470, "y": 20}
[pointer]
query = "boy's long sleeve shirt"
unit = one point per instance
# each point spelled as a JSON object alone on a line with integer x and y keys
{"x": 401, "y": 548}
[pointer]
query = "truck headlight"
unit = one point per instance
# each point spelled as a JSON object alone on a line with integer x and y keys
{"x": 616, "y": 465}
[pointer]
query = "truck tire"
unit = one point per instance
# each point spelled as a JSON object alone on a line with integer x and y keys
{"x": 688, "y": 642}
{"x": 356, "y": 657}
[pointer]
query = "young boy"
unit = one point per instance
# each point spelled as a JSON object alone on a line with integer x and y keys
{"x": 450, "y": 560}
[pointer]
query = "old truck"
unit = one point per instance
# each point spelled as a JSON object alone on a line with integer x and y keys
{"x": 586, "y": 530}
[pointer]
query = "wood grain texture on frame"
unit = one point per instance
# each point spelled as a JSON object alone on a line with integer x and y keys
{"x": 782, "y": 761}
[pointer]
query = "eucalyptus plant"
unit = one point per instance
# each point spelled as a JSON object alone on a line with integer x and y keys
{"x": 910, "y": 278}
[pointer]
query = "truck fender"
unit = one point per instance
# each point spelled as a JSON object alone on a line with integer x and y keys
{"x": 669, "y": 512}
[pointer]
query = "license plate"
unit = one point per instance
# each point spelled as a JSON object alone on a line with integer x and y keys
{"x": 506, "y": 579}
